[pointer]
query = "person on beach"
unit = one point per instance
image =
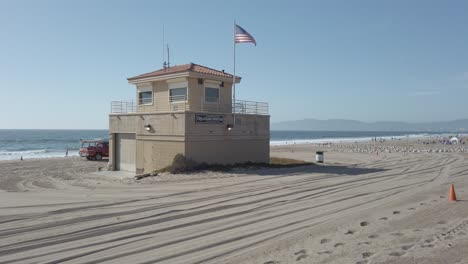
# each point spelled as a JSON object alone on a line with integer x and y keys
{"x": 66, "y": 153}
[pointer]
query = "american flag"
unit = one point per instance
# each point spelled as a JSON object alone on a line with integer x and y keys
{"x": 243, "y": 36}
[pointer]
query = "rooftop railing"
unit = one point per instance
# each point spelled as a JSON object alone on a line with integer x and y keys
{"x": 127, "y": 106}
{"x": 250, "y": 107}
{"x": 180, "y": 103}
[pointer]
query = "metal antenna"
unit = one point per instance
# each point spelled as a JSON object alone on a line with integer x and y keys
{"x": 168, "y": 57}
{"x": 164, "y": 50}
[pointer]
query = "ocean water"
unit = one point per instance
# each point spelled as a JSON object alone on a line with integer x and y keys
{"x": 43, "y": 143}
{"x": 54, "y": 143}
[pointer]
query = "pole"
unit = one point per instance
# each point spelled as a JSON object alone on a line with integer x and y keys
{"x": 234, "y": 75}
{"x": 168, "y": 57}
{"x": 164, "y": 50}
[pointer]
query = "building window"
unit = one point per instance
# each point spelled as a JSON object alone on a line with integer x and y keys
{"x": 211, "y": 94}
{"x": 145, "y": 98}
{"x": 178, "y": 94}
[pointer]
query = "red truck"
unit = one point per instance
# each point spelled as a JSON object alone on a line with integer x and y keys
{"x": 94, "y": 149}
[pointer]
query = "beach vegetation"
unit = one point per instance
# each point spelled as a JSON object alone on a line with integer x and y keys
{"x": 182, "y": 164}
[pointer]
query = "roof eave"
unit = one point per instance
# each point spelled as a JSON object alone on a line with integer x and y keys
{"x": 213, "y": 77}
{"x": 138, "y": 80}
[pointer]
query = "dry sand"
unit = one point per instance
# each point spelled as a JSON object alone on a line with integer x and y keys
{"x": 359, "y": 207}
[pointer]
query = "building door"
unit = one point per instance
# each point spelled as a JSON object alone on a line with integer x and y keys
{"x": 125, "y": 152}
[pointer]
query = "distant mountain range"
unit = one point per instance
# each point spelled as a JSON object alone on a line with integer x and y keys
{"x": 460, "y": 125}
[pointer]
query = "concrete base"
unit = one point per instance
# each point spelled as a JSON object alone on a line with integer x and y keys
{"x": 115, "y": 174}
{"x": 181, "y": 133}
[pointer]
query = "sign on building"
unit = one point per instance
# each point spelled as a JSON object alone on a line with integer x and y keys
{"x": 209, "y": 119}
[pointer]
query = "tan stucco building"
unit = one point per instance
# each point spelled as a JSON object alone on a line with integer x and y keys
{"x": 186, "y": 109}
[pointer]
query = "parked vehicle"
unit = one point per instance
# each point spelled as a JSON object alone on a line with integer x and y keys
{"x": 94, "y": 149}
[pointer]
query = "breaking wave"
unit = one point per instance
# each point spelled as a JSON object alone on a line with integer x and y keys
{"x": 36, "y": 154}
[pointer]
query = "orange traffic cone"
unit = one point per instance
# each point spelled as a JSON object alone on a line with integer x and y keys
{"x": 452, "y": 195}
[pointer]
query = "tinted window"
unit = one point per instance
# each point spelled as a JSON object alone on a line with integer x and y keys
{"x": 178, "y": 94}
{"x": 146, "y": 97}
{"x": 211, "y": 94}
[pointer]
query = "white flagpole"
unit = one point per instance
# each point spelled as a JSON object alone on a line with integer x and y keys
{"x": 234, "y": 75}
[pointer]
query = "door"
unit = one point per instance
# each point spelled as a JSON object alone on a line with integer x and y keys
{"x": 125, "y": 152}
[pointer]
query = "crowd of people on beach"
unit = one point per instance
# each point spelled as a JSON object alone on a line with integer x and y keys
{"x": 377, "y": 146}
{"x": 363, "y": 148}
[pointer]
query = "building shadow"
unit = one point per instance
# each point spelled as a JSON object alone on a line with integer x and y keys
{"x": 341, "y": 170}
{"x": 104, "y": 160}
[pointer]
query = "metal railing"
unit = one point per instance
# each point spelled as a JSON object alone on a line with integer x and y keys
{"x": 178, "y": 98}
{"x": 145, "y": 101}
{"x": 250, "y": 107}
{"x": 128, "y": 106}
{"x": 181, "y": 104}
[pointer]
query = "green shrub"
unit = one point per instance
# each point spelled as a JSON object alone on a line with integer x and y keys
{"x": 181, "y": 164}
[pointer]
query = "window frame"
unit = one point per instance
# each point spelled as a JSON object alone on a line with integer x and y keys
{"x": 140, "y": 99}
{"x": 211, "y": 101}
{"x": 178, "y": 101}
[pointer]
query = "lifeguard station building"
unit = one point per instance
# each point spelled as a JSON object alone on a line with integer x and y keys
{"x": 186, "y": 109}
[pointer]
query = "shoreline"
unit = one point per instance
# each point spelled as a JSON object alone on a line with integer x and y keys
{"x": 55, "y": 153}
{"x": 423, "y": 135}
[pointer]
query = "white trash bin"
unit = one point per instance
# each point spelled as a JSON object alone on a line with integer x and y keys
{"x": 319, "y": 156}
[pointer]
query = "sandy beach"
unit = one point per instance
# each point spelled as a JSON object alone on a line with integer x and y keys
{"x": 370, "y": 202}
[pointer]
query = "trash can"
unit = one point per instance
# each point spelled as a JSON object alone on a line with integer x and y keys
{"x": 319, "y": 156}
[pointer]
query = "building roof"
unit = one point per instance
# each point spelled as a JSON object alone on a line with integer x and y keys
{"x": 190, "y": 67}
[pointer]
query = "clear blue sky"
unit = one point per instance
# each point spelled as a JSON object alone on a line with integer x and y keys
{"x": 62, "y": 62}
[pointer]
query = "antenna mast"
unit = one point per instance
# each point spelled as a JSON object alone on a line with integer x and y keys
{"x": 163, "y": 49}
{"x": 168, "y": 57}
